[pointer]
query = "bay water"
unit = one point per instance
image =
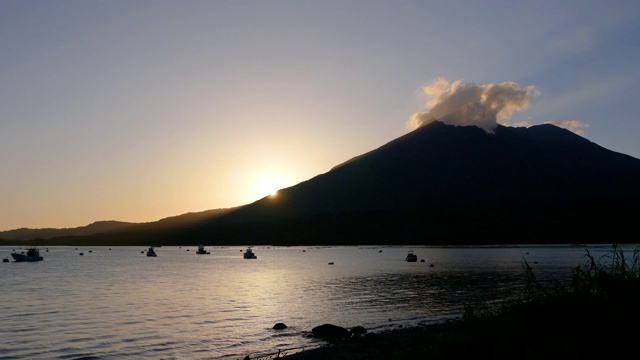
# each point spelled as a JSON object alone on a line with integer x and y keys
{"x": 118, "y": 303}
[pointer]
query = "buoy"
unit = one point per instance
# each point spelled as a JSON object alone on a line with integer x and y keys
{"x": 81, "y": 254}
{"x": 331, "y": 263}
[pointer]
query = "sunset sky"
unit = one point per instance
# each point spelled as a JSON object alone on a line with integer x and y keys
{"x": 136, "y": 110}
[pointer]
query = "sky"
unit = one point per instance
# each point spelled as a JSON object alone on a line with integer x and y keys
{"x": 137, "y": 110}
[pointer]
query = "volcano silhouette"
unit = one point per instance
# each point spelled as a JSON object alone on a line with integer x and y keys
{"x": 437, "y": 185}
{"x": 444, "y": 184}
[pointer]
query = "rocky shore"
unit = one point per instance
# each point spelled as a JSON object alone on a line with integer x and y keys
{"x": 406, "y": 343}
{"x": 549, "y": 336}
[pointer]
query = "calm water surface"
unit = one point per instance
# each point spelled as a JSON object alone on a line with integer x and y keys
{"x": 117, "y": 303}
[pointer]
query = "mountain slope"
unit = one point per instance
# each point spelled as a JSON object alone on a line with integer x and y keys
{"x": 47, "y": 233}
{"x": 101, "y": 228}
{"x": 440, "y": 184}
{"x": 447, "y": 184}
{"x": 442, "y": 165}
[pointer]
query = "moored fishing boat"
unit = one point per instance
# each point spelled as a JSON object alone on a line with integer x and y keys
{"x": 32, "y": 254}
{"x": 249, "y": 254}
{"x": 151, "y": 252}
{"x": 201, "y": 250}
{"x": 411, "y": 257}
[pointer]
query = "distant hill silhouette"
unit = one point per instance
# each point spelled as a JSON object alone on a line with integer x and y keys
{"x": 439, "y": 184}
{"x": 104, "y": 228}
{"x": 47, "y": 233}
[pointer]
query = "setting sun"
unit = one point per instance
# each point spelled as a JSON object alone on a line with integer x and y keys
{"x": 269, "y": 186}
{"x": 258, "y": 176}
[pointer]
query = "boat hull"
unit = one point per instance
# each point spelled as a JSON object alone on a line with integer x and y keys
{"x": 201, "y": 250}
{"x": 23, "y": 257}
{"x": 412, "y": 258}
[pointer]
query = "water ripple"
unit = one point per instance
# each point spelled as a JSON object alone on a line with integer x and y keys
{"x": 118, "y": 304}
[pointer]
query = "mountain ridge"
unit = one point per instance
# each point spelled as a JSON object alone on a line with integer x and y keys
{"x": 439, "y": 184}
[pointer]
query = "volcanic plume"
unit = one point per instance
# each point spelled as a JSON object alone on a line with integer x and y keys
{"x": 469, "y": 104}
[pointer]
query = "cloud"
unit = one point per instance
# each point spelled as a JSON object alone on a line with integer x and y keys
{"x": 468, "y": 104}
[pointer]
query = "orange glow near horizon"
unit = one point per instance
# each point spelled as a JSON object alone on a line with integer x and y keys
{"x": 269, "y": 186}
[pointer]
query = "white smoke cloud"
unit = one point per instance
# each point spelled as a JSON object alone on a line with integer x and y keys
{"x": 468, "y": 104}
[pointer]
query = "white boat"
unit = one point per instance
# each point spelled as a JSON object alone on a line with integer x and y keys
{"x": 33, "y": 254}
{"x": 249, "y": 254}
{"x": 201, "y": 250}
{"x": 411, "y": 257}
{"x": 151, "y": 252}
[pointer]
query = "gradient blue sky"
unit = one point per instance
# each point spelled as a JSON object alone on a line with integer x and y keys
{"x": 135, "y": 110}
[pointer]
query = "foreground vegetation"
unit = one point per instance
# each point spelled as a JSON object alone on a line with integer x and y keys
{"x": 594, "y": 316}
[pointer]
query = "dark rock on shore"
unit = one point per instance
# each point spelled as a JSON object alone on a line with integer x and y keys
{"x": 358, "y": 330}
{"x": 330, "y": 331}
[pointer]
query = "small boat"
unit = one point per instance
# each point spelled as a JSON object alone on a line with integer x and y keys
{"x": 201, "y": 250}
{"x": 151, "y": 252}
{"x": 249, "y": 254}
{"x": 33, "y": 254}
{"x": 411, "y": 257}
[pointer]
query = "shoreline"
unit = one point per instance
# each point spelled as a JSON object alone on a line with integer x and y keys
{"x": 397, "y": 343}
{"x": 538, "y": 335}
{"x": 371, "y": 345}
